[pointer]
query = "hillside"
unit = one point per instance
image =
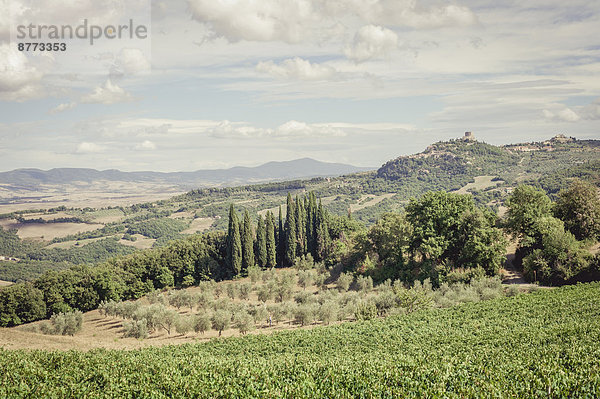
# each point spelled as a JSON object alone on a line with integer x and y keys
{"x": 540, "y": 344}
{"x": 92, "y": 233}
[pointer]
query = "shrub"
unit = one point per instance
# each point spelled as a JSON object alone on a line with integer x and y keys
{"x": 183, "y": 325}
{"x": 305, "y": 278}
{"x": 304, "y": 314}
{"x": 260, "y": 314}
{"x": 135, "y": 329}
{"x": 329, "y": 312}
{"x": 63, "y": 324}
{"x": 245, "y": 289}
{"x": 364, "y": 284}
{"x": 232, "y": 290}
{"x": 343, "y": 282}
{"x": 202, "y": 323}
{"x": 243, "y": 322}
{"x": 221, "y": 320}
{"x": 254, "y": 273}
{"x": 365, "y": 311}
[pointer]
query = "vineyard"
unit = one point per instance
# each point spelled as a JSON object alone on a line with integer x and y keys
{"x": 530, "y": 345}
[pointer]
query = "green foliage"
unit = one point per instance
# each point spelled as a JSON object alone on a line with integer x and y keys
{"x": 525, "y": 206}
{"x": 221, "y": 320}
{"x": 261, "y": 243}
{"x": 579, "y": 208}
{"x": 202, "y": 323}
{"x": 158, "y": 228}
{"x": 21, "y": 303}
{"x": 343, "y": 282}
{"x": 547, "y": 252}
{"x": 270, "y": 241}
{"x": 94, "y": 252}
{"x": 135, "y": 329}
{"x": 247, "y": 243}
{"x": 365, "y": 311}
{"x": 63, "y": 324}
{"x": 234, "y": 245}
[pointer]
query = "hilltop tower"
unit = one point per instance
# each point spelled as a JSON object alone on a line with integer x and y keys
{"x": 469, "y": 136}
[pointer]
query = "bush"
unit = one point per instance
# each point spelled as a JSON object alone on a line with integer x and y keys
{"x": 202, "y": 323}
{"x": 245, "y": 289}
{"x": 221, "y": 320}
{"x": 329, "y": 312}
{"x": 183, "y": 325}
{"x": 343, "y": 282}
{"x": 260, "y": 314}
{"x": 243, "y": 322}
{"x": 364, "y": 284}
{"x": 305, "y": 278}
{"x": 254, "y": 272}
{"x": 135, "y": 329}
{"x": 232, "y": 290}
{"x": 365, "y": 311}
{"x": 63, "y": 324}
{"x": 304, "y": 314}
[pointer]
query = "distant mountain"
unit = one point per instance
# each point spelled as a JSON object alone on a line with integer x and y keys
{"x": 271, "y": 171}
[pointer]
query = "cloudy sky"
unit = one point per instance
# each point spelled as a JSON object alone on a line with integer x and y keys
{"x": 220, "y": 83}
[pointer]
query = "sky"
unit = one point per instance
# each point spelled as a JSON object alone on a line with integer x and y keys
{"x": 220, "y": 83}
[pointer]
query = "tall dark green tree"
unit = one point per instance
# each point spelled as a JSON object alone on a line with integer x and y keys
{"x": 247, "y": 243}
{"x": 270, "y": 238}
{"x": 322, "y": 234}
{"x": 311, "y": 217}
{"x": 290, "y": 232}
{"x": 261, "y": 242}
{"x": 300, "y": 227}
{"x": 233, "y": 259}
{"x": 280, "y": 237}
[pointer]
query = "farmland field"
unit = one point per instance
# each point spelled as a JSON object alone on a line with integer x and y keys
{"x": 531, "y": 345}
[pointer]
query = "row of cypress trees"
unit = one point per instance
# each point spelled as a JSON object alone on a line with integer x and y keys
{"x": 303, "y": 230}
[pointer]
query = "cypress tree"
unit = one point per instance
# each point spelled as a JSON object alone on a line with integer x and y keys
{"x": 300, "y": 227}
{"x": 247, "y": 243}
{"x": 290, "y": 232}
{"x": 270, "y": 240}
{"x": 322, "y": 234}
{"x": 261, "y": 242}
{"x": 234, "y": 245}
{"x": 311, "y": 216}
{"x": 280, "y": 240}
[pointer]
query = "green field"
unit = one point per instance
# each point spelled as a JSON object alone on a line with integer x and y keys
{"x": 543, "y": 344}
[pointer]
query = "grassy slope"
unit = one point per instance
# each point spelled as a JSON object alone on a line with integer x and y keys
{"x": 542, "y": 344}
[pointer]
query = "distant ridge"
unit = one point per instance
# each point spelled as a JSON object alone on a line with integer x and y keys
{"x": 270, "y": 171}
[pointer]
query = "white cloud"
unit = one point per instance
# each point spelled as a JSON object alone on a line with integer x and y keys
{"x": 109, "y": 93}
{"x": 89, "y": 148}
{"x": 293, "y": 21}
{"x": 146, "y": 145}
{"x": 130, "y": 61}
{"x": 371, "y": 41}
{"x": 63, "y": 107}
{"x": 563, "y": 115}
{"x": 265, "y": 20}
{"x": 408, "y": 13}
{"x": 18, "y": 78}
{"x": 297, "y": 69}
{"x": 301, "y": 129}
